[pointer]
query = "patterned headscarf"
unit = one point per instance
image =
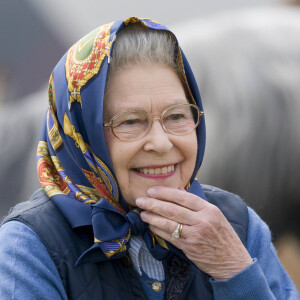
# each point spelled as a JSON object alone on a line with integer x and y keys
{"x": 73, "y": 163}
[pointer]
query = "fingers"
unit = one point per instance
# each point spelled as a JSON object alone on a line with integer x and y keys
{"x": 160, "y": 223}
{"x": 173, "y": 204}
{"x": 177, "y": 196}
{"x": 164, "y": 228}
{"x": 168, "y": 236}
{"x": 167, "y": 210}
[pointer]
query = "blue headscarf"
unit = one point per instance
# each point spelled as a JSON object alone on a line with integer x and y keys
{"x": 73, "y": 161}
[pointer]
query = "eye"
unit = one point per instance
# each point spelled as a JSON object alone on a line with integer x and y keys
{"x": 129, "y": 122}
{"x": 175, "y": 117}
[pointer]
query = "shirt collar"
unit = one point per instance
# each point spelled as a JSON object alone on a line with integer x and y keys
{"x": 134, "y": 251}
{"x": 143, "y": 261}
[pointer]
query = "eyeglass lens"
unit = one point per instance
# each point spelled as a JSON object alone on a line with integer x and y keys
{"x": 177, "y": 119}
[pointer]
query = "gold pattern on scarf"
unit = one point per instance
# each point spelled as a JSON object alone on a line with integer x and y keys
{"x": 84, "y": 60}
{"x": 69, "y": 130}
{"x": 188, "y": 186}
{"x": 101, "y": 183}
{"x": 53, "y": 132}
{"x": 102, "y": 189}
{"x": 131, "y": 20}
{"x": 51, "y": 94}
{"x": 161, "y": 241}
{"x": 50, "y": 180}
{"x": 103, "y": 175}
{"x": 122, "y": 248}
{"x": 91, "y": 192}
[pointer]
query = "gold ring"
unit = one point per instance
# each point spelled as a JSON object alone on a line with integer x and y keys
{"x": 177, "y": 232}
{"x": 180, "y": 229}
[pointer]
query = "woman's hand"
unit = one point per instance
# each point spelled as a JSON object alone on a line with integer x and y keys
{"x": 207, "y": 238}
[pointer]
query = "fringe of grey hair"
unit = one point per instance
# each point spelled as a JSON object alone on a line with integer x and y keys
{"x": 136, "y": 44}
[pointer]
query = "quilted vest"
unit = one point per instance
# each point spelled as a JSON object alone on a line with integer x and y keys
{"x": 117, "y": 279}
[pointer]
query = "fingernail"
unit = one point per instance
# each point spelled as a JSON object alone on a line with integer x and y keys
{"x": 140, "y": 202}
{"x": 143, "y": 216}
{"x": 151, "y": 192}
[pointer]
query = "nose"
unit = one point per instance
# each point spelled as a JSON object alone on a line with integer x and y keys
{"x": 157, "y": 139}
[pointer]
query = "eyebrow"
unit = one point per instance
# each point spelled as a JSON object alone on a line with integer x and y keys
{"x": 162, "y": 108}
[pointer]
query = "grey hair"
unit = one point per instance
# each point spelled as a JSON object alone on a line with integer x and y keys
{"x": 137, "y": 44}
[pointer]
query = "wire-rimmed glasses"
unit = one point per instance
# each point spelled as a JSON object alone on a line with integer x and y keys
{"x": 178, "y": 119}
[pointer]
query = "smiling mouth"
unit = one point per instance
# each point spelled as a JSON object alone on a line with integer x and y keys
{"x": 157, "y": 171}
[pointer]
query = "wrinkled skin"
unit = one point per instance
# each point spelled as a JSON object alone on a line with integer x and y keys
{"x": 207, "y": 238}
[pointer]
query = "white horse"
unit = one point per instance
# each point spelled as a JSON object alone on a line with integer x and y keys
{"x": 247, "y": 65}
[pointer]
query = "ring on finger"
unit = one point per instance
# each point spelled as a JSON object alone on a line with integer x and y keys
{"x": 177, "y": 232}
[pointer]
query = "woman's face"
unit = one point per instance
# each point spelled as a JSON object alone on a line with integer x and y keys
{"x": 151, "y": 88}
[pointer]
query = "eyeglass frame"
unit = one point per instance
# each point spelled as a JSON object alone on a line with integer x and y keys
{"x": 110, "y": 123}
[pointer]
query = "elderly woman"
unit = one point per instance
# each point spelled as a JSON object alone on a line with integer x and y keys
{"x": 121, "y": 214}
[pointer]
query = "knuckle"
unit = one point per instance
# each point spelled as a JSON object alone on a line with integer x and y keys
{"x": 169, "y": 212}
{"x": 148, "y": 205}
{"x": 182, "y": 198}
{"x": 215, "y": 210}
{"x": 178, "y": 197}
{"x": 170, "y": 227}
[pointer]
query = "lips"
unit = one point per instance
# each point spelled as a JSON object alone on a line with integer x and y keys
{"x": 157, "y": 171}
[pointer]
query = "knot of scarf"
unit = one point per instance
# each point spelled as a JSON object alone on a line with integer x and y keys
{"x": 113, "y": 229}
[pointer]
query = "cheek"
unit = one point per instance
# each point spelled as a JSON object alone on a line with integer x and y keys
{"x": 120, "y": 155}
{"x": 111, "y": 143}
{"x": 190, "y": 148}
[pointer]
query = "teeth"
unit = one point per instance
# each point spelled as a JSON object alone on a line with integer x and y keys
{"x": 157, "y": 171}
{"x": 164, "y": 170}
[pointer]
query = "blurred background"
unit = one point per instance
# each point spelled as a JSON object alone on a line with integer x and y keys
{"x": 246, "y": 60}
